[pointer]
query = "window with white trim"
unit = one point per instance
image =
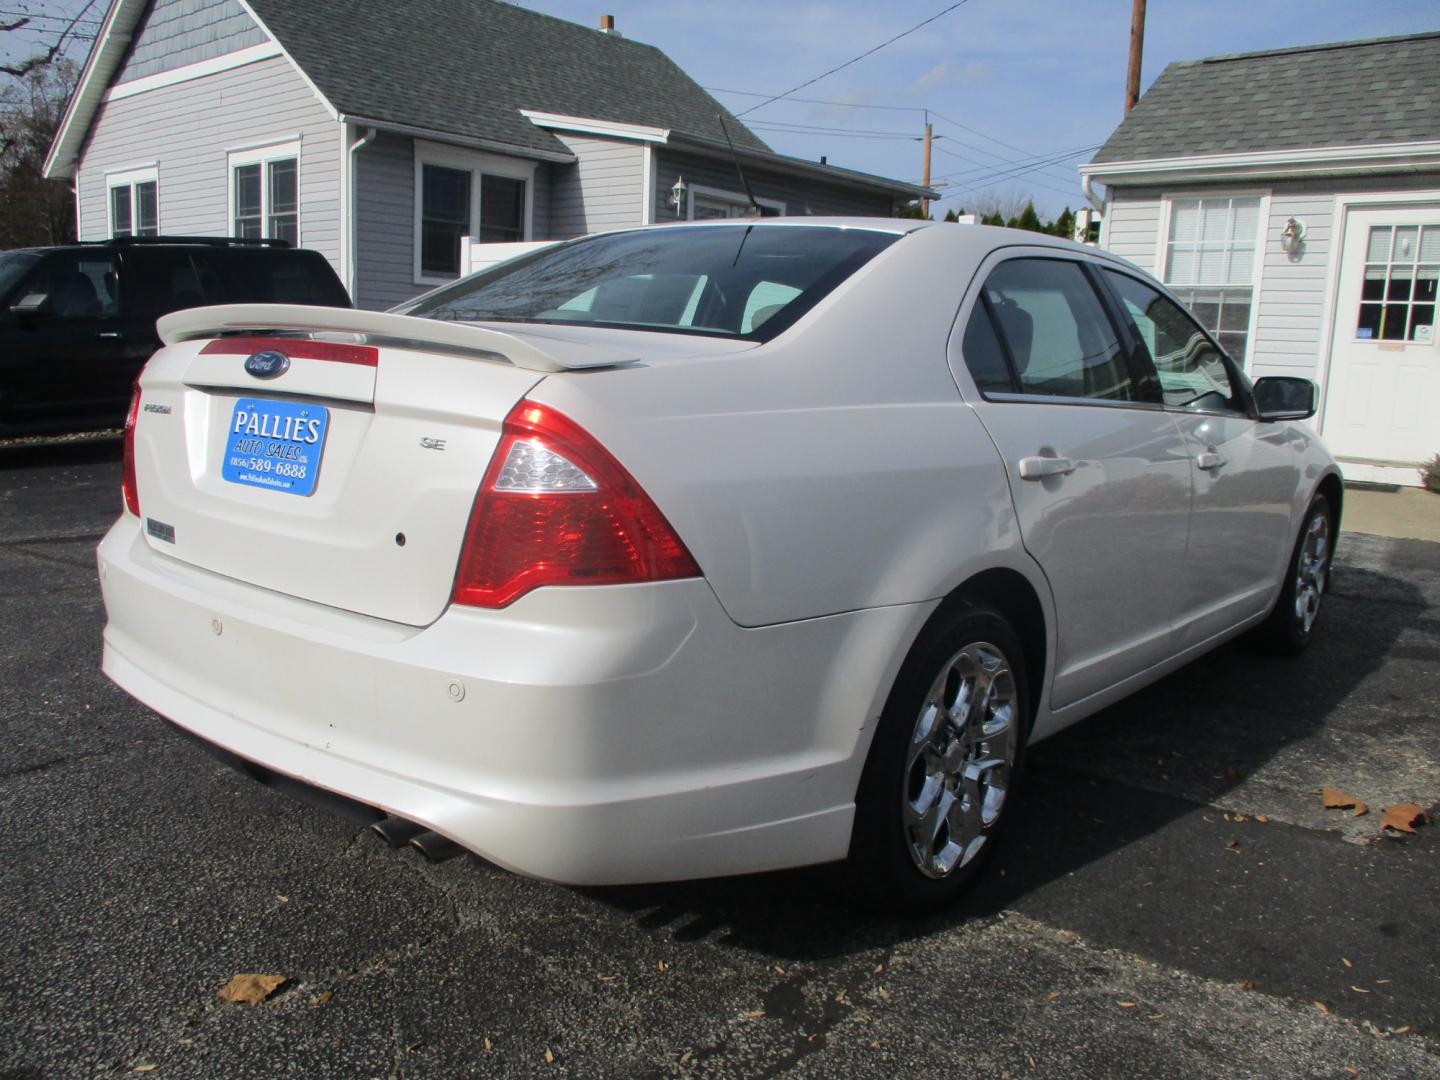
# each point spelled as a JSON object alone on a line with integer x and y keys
{"x": 707, "y": 203}
{"x": 265, "y": 193}
{"x": 1210, "y": 264}
{"x": 460, "y": 193}
{"x": 133, "y": 203}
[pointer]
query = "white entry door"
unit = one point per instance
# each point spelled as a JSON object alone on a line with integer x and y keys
{"x": 1382, "y": 402}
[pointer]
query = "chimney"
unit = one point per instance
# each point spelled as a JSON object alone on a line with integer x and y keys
{"x": 607, "y": 24}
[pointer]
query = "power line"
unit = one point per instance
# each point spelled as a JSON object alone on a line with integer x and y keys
{"x": 816, "y": 101}
{"x": 856, "y": 59}
{"x": 823, "y": 129}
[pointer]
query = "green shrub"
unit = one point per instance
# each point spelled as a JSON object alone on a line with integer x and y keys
{"x": 1430, "y": 473}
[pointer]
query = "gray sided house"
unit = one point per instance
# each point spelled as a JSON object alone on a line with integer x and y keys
{"x": 1293, "y": 199}
{"x": 382, "y": 134}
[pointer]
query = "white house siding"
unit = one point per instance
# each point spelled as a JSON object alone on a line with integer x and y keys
{"x": 1131, "y": 227}
{"x": 604, "y": 189}
{"x": 173, "y": 33}
{"x": 801, "y": 195}
{"x": 1293, "y": 301}
{"x": 186, "y": 129}
{"x": 385, "y": 216}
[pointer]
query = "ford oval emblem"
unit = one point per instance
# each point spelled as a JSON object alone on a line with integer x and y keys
{"x": 267, "y": 365}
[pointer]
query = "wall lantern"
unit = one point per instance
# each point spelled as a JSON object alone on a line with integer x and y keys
{"x": 677, "y": 193}
{"x": 1292, "y": 236}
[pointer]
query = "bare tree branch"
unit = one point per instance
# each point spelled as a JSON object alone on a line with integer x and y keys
{"x": 24, "y": 68}
{"x": 15, "y": 25}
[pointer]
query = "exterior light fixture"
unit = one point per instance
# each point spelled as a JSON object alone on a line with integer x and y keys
{"x": 677, "y": 193}
{"x": 1292, "y": 236}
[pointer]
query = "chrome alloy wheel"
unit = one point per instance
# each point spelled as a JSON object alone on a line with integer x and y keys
{"x": 960, "y": 759}
{"x": 1312, "y": 569}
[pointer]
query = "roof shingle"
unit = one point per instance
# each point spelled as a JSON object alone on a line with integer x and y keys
{"x": 1353, "y": 93}
{"x": 466, "y": 68}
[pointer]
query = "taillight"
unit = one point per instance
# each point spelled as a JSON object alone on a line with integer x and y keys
{"x": 127, "y": 474}
{"x": 556, "y": 508}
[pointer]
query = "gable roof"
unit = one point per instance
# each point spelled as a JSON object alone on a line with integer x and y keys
{"x": 467, "y": 68}
{"x": 1381, "y": 92}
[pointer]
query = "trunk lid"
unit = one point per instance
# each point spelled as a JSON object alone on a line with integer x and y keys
{"x": 358, "y": 457}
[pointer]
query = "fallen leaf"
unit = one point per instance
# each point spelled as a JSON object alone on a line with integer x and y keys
{"x": 840, "y": 997}
{"x": 660, "y": 966}
{"x": 875, "y": 1045}
{"x": 1347, "y": 963}
{"x": 1322, "y": 1006}
{"x": 778, "y": 969}
{"x": 1239, "y": 817}
{"x": 606, "y": 978}
{"x": 1031, "y": 1058}
{"x": 549, "y": 1056}
{"x": 1403, "y": 817}
{"x": 1361, "y": 990}
{"x": 1127, "y": 1004}
{"x": 1400, "y": 1030}
{"x": 147, "y": 1067}
{"x": 1233, "y": 845}
{"x": 686, "y": 1056}
{"x": 1248, "y": 984}
{"x": 1053, "y": 996}
{"x": 487, "y": 1044}
{"x": 1352, "y": 1070}
{"x": 1155, "y": 1016}
{"x": 250, "y": 988}
{"x": 883, "y": 992}
{"x": 1261, "y": 818}
{"x": 753, "y": 1014}
{"x": 1360, "y": 810}
{"x": 281, "y": 899}
{"x": 879, "y": 968}
{"x": 1335, "y": 799}
{"x": 322, "y": 998}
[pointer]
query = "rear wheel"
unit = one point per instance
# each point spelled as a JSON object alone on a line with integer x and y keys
{"x": 942, "y": 769}
{"x": 1289, "y": 627}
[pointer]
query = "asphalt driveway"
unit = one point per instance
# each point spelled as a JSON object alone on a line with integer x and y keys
{"x": 1179, "y": 903}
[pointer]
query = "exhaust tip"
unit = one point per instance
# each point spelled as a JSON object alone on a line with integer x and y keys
{"x": 397, "y": 832}
{"x": 435, "y": 847}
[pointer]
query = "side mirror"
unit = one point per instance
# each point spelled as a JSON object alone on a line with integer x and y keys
{"x": 1285, "y": 397}
{"x": 30, "y": 305}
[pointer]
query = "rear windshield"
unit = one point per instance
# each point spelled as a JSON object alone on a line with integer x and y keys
{"x": 171, "y": 278}
{"x": 745, "y": 281}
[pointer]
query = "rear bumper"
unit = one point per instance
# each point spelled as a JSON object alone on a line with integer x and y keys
{"x": 605, "y": 735}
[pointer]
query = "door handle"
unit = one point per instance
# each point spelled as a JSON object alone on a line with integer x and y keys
{"x": 1209, "y": 459}
{"x": 1037, "y": 468}
{"x": 109, "y": 334}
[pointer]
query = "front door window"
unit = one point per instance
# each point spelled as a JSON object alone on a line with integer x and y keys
{"x": 1397, "y": 297}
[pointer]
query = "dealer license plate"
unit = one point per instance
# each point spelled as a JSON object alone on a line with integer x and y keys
{"x": 275, "y": 444}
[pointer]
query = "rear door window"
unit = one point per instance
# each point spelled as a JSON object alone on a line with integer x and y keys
{"x": 72, "y": 285}
{"x": 1056, "y": 335}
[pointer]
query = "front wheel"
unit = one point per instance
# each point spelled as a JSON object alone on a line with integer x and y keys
{"x": 943, "y": 765}
{"x": 1289, "y": 627}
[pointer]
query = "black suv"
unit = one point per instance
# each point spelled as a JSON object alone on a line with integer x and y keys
{"x": 78, "y": 322}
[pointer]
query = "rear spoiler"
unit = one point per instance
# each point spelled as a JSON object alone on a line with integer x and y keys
{"x": 533, "y": 352}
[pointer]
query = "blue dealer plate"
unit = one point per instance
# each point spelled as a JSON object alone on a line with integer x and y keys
{"x": 275, "y": 444}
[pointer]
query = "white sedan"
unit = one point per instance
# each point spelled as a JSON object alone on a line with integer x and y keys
{"x": 705, "y": 549}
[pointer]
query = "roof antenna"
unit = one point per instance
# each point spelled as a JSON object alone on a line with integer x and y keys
{"x": 739, "y": 171}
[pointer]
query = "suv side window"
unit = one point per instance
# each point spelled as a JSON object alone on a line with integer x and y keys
{"x": 74, "y": 285}
{"x": 1193, "y": 374}
{"x": 1056, "y": 337}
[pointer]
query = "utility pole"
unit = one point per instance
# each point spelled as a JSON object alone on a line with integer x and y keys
{"x": 925, "y": 203}
{"x": 1137, "y": 44}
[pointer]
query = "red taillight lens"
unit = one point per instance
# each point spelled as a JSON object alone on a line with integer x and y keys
{"x": 556, "y": 508}
{"x": 127, "y": 474}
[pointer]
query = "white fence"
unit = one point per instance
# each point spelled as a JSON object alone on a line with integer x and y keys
{"x": 476, "y": 256}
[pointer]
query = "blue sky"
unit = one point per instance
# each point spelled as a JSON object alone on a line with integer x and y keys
{"x": 1043, "y": 77}
{"x": 1006, "y": 80}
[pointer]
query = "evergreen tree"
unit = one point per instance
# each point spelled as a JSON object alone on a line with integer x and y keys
{"x": 951, "y": 215}
{"x": 1029, "y": 220}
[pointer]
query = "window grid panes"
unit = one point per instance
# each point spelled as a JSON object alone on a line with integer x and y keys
{"x": 267, "y": 200}
{"x": 1210, "y": 264}
{"x": 135, "y": 209}
{"x": 444, "y": 218}
{"x": 1397, "y": 297}
{"x": 502, "y": 209}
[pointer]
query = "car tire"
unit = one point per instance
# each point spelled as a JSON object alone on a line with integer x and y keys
{"x": 927, "y": 813}
{"x": 1291, "y": 623}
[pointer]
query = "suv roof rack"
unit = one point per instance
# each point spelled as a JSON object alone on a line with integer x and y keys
{"x": 207, "y": 241}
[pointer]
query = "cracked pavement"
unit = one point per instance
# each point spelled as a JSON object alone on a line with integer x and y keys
{"x": 1175, "y": 901}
